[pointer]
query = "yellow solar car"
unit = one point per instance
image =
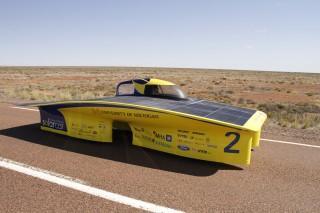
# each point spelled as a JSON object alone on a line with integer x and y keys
{"x": 161, "y": 117}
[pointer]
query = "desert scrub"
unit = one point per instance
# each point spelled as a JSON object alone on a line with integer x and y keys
{"x": 56, "y": 94}
{"x": 293, "y": 115}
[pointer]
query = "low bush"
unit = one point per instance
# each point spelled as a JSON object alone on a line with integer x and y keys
{"x": 293, "y": 115}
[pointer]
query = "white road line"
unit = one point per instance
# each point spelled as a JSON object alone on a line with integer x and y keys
{"x": 291, "y": 143}
{"x": 263, "y": 139}
{"x": 42, "y": 170}
{"x": 81, "y": 186}
{"x": 25, "y": 108}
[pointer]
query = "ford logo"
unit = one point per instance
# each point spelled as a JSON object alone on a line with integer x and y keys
{"x": 183, "y": 147}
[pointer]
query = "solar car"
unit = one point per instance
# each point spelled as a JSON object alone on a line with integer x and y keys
{"x": 161, "y": 117}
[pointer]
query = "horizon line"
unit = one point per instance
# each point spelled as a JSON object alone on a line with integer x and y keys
{"x": 161, "y": 67}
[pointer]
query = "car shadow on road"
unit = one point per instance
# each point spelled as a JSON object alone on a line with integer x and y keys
{"x": 121, "y": 150}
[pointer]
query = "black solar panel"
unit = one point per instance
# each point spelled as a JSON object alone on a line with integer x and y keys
{"x": 213, "y": 110}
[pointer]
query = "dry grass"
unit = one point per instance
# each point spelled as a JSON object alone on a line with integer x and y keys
{"x": 295, "y": 92}
{"x": 293, "y": 115}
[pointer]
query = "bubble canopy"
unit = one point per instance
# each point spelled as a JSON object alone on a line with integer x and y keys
{"x": 151, "y": 88}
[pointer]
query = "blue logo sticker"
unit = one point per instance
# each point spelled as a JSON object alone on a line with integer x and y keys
{"x": 168, "y": 138}
{"x": 183, "y": 147}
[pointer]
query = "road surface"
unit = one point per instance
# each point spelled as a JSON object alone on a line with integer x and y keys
{"x": 281, "y": 177}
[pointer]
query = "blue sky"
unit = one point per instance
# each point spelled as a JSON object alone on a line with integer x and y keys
{"x": 263, "y": 35}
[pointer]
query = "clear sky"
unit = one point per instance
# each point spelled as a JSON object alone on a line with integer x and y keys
{"x": 240, "y": 34}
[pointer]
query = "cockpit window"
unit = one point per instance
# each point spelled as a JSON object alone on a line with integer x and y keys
{"x": 164, "y": 91}
{"x": 125, "y": 89}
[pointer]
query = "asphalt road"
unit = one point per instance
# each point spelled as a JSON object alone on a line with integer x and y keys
{"x": 281, "y": 177}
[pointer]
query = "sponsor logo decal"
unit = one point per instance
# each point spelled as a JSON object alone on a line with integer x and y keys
{"x": 169, "y": 138}
{"x": 203, "y": 151}
{"x": 161, "y": 136}
{"x": 198, "y": 133}
{"x": 185, "y": 141}
{"x": 156, "y": 142}
{"x": 212, "y": 146}
{"x": 55, "y": 124}
{"x": 183, "y": 131}
{"x": 182, "y": 136}
{"x": 101, "y": 126}
{"x": 199, "y": 143}
{"x": 183, "y": 147}
{"x": 52, "y": 118}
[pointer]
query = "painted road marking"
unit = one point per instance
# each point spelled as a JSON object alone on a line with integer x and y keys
{"x": 262, "y": 139}
{"x": 81, "y": 186}
{"x": 25, "y": 108}
{"x": 42, "y": 170}
{"x": 291, "y": 143}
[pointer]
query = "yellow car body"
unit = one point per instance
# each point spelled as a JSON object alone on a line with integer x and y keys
{"x": 173, "y": 126}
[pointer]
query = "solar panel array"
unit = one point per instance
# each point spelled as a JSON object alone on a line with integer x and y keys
{"x": 207, "y": 109}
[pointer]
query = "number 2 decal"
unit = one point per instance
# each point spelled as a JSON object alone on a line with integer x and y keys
{"x": 233, "y": 142}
